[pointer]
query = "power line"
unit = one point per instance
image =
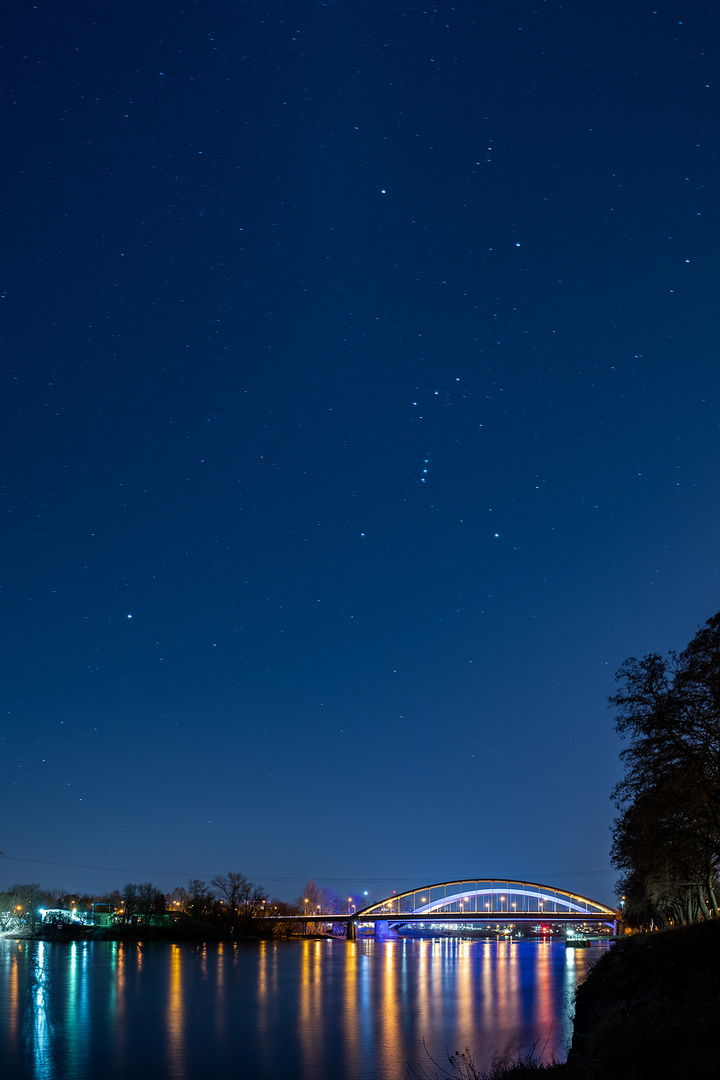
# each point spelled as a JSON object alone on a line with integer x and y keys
{"x": 395, "y": 879}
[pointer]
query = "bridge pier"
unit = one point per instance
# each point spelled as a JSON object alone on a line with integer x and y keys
{"x": 351, "y": 932}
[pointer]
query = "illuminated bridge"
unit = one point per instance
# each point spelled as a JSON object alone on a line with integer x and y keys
{"x": 486, "y": 900}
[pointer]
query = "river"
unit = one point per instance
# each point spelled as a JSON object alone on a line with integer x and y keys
{"x": 301, "y": 1010}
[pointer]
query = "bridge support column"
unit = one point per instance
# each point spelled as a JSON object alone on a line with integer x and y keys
{"x": 351, "y": 932}
{"x": 382, "y": 929}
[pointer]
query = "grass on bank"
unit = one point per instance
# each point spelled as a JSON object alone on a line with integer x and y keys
{"x": 461, "y": 1066}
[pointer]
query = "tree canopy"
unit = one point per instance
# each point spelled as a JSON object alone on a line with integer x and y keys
{"x": 667, "y": 837}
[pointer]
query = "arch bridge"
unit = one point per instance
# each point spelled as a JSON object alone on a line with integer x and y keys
{"x": 485, "y": 900}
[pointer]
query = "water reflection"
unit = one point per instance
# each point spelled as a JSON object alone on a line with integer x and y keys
{"x": 175, "y": 1015}
{"x": 310, "y": 1009}
{"x": 312, "y": 1014}
{"x": 75, "y": 1016}
{"x": 116, "y": 1001}
{"x": 12, "y": 981}
{"x": 389, "y": 1042}
{"x": 220, "y": 1010}
{"x": 466, "y": 987}
{"x": 350, "y": 1026}
{"x": 40, "y": 1025}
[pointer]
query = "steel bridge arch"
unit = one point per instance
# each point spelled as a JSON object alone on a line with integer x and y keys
{"x": 479, "y": 898}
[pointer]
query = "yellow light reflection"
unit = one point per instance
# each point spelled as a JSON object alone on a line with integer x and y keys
{"x": 262, "y": 974}
{"x": 312, "y": 1025}
{"x": 175, "y": 1015}
{"x": 11, "y": 979}
{"x": 220, "y": 1012}
{"x": 13, "y": 998}
{"x": 263, "y": 1024}
{"x": 389, "y": 1038}
{"x": 350, "y": 1016}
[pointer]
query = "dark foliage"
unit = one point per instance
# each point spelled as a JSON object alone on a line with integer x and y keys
{"x": 667, "y": 837}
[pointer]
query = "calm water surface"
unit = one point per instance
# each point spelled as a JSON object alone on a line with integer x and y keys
{"x": 302, "y": 1010}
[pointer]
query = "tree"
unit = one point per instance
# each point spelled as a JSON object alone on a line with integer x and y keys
{"x": 233, "y": 890}
{"x": 129, "y": 903}
{"x": 199, "y": 899}
{"x": 241, "y": 899}
{"x": 178, "y": 899}
{"x": 667, "y": 838}
{"x": 667, "y": 863}
{"x": 151, "y": 902}
{"x": 275, "y": 927}
{"x": 316, "y": 901}
{"x": 312, "y": 898}
{"x": 19, "y": 905}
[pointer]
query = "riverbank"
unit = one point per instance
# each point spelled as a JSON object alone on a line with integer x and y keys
{"x": 649, "y": 1008}
{"x": 647, "y": 1011}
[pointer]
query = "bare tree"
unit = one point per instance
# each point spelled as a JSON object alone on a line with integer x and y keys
{"x": 200, "y": 899}
{"x": 151, "y": 902}
{"x": 241, "y": 899}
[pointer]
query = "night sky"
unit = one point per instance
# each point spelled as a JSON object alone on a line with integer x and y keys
{"x": 360, "y": 417}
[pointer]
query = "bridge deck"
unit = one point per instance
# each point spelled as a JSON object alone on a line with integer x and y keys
{"x": 454, "y": 917}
